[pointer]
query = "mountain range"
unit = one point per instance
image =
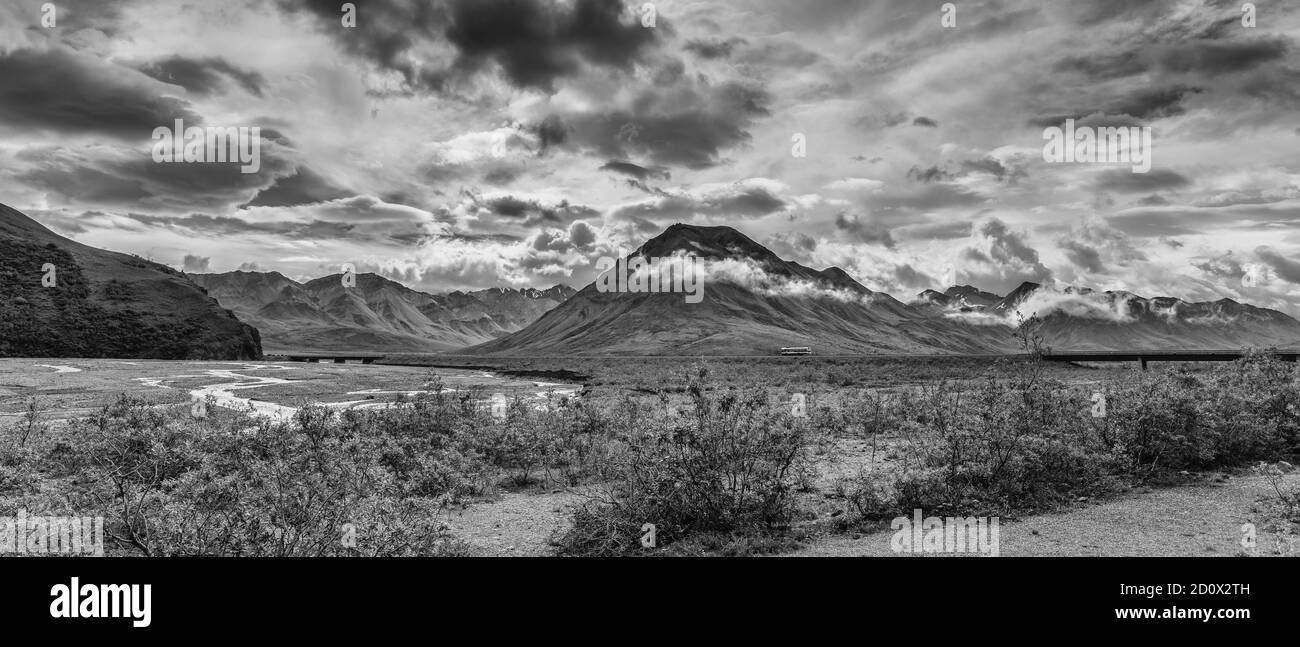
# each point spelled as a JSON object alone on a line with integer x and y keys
{"x": 752, "y": 302}
{"x": 59, "y": 298}
{"x": 1082, "y": 319}
{"x": 756, "y": 302}
{"x": 373, "y": 313}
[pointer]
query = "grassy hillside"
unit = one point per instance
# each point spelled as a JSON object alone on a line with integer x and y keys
{"x": 104, "y": 304}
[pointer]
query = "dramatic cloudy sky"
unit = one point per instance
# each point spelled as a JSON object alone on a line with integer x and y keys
{"x": 455, "y": 144}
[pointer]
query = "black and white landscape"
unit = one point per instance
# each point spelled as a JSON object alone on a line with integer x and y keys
{"x": 706, "y": 277}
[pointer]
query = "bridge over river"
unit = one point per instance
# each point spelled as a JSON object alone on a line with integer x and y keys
{"x": 337, "y": 358}
{"x": 1144, "y": 356}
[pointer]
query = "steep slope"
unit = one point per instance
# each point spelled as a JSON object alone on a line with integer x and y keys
{"x": 374, "y": 314}
{"x": 105, "y": 304}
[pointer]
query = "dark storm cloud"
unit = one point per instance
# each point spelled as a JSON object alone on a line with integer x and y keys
{"x": 1280, "y": 85}
{"x": 669, "y": 73}
{"x": 1103, "y": 66}
{"x": 864, "y": 231}
{"x": 305, "y": 186}
{"x": 536, "y": 42}
{"x": 533, "y": 212}
{"x": 1009, "y": 247}
{"x": 1083, "y": 256}
{"x": 740, "y": 202}
{"x": 993, "y": 167}
{"x": 1153, "y": 103}
{"x": 1201, "y": 56}
{"x": 988, "y": 165}
{"x": 215, "y": 183}
{"x": 639, "y": 172}
{"x": 686, "y": 126}
{"x": 512, "y": 207}
{"x": 532, "y": 42}
{"x": 1144, "y": 103}
{"x": 1126, "y": 181}
{"x": 1091, "y": 12}
{"x": 910, "y": 277}
{"x": 61, "y": 90}
{"x": 926, "y": 175}
{"x": 1222, "y": 57}
{"x": 125, "y": 177}
{"x": 713, "y": 48}
{"x": 925, "y": 122}
{"x": 84, "y": 183}
{"x": 551, "y": 132}
{"x": 580, "y": 236}
{"x": 386, "y": 34}
{"x": 202, "y": 75}
{"x": 501, "y": 176}
{"x": 1285, "y": 267}
{"x": 412, "y": 239}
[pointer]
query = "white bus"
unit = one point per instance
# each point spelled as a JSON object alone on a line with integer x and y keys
{"x": 796, "y": 350}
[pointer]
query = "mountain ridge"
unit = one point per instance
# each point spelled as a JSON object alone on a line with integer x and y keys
{"x": 782, "y": 303}
{"x": 374, "y": 314}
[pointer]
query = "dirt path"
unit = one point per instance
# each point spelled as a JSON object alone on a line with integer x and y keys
{"x": 517, "y": 524}
{"x": 1202, "y": 519}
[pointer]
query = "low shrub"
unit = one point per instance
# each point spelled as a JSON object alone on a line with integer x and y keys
{"x": 1020, "y": 442}
{"x": 727, "y": 466}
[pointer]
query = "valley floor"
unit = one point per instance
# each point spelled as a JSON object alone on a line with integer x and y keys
{"x": 72, "y": 387}
{"x": 1200, "y": 517}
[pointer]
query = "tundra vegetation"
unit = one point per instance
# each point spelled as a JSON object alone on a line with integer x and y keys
{"x": 718, "y": 464}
